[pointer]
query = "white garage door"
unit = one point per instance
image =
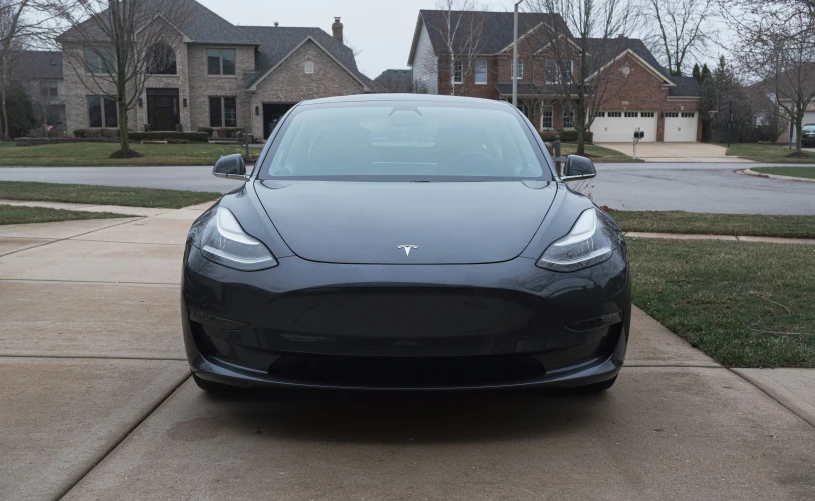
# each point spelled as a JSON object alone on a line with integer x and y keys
{"x": 680, "y": 127}
{"x": 618, "y": 126}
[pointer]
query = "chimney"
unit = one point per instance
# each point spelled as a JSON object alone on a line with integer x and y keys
{"x": 337, "y": 29}
{"x": 275, "y": 24}
{"x": 621, "y": 35}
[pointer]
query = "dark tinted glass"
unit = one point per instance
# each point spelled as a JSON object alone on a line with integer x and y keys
{"x": 94, "y": 111}
{"x": 230, "y": 112}
{"x": 215, "y": 119}
{"x": 111, "y": 117}
{"x": 416, "y": 140}
{"x": 213, "y": 61}
{"x": 808, "y": 128}
{"x": 228, "y": 56}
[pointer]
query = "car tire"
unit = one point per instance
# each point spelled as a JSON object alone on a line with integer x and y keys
{"x": 212, "y": 387}
{"x": 596, "y": 387}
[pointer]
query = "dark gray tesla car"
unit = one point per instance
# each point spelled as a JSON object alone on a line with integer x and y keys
{"x": 405, "y": 242}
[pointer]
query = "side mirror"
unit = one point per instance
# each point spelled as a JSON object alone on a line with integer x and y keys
{"x": 577, "y": 168}
{"x": 230, "y": 167}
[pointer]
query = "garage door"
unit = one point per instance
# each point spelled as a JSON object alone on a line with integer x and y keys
{"x": 680, "y": 127}
{"x": 809, "y": 118}
{"x": 618, "y": 126}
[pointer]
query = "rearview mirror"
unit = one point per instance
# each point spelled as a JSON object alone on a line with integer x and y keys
{"x": 577, "y": 168}
{"x": 230, "y": 167}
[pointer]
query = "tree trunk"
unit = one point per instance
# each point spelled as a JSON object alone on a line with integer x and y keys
{"x": 124, "y": 141}
{"x": 4, "y": 130}
{"x": 799, "y": 123}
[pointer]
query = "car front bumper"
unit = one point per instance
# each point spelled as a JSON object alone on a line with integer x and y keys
{"x": 403, "y": 327}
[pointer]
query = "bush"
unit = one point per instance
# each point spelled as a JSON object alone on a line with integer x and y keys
{"x": 194, "y": 137}
{"x": 566, "y": 136}
{"x": 97, "y": 133}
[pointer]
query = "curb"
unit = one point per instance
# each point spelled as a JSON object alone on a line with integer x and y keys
{"x": 749, "y": 172}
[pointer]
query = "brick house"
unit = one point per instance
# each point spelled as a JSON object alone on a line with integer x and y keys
{"x": 221, "y": 75}
{"x": 640, "y": 93}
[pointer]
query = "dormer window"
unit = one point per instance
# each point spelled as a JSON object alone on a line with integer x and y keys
{"x": 308, "y": 66}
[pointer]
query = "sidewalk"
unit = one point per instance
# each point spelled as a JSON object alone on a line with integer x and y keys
{"x": 733, "y": 238}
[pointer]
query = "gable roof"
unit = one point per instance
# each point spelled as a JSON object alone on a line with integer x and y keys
{"x": 497, "y": 30}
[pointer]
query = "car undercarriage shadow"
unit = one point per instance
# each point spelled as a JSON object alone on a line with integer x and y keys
{"x": 399, "y": 417}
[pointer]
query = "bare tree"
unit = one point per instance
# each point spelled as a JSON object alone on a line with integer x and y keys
{"x": 23, "y": 24}
{"x": 462, "y": 37}
{"x": 113, "y": 47}
{"x": 777, "y": 46}
{"x": 581, "y": 51}
{"x": 681, "y": 30}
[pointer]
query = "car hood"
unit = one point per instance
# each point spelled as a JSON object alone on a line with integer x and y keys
{"x": 367, "y": 222}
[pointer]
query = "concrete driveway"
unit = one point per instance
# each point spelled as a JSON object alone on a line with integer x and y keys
{"x": 98, "y": 405}
{"x": 676, "y": 152}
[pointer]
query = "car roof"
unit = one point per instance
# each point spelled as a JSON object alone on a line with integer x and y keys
{"x": 428, "y": 98}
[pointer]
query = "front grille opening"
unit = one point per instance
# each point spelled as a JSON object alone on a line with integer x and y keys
{"x": 406, "y": 372}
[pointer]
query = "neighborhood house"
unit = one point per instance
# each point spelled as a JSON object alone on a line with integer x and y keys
{"x": 642, "y": 94}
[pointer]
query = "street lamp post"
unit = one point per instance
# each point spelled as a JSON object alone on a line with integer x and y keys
{"x": 515, "y": 58}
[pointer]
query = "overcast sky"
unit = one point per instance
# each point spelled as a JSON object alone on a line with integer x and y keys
{"x": 381, "y": 29}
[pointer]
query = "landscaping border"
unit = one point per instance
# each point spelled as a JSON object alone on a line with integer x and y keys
{"x": 749, "y": 172}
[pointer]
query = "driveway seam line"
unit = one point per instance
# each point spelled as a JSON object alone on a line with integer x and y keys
{"x": 65, "y": 491}
{"x": 129, "y": 220}
{"x": 169, "y": 284}
{"x": 93, "y": 357}
{"x": 762, "y": 390}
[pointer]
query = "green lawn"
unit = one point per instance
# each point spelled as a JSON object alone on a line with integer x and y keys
{"x": 102, "y": 195}
{"x": 95, "y": 154}
{"x": 805, "y": 172}
{"x": 768, "y": 153}
{"x": 744, "y": 304}
{"x": 716, "y": 224}
{"x": 10, "y": 214}
{"x": 598, "y": 154}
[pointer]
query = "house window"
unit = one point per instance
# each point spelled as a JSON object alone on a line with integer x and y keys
{"x": 102, "y": 112}
{"x": 547, "y": 118}
{"x": 631, "y": 114}
{"x": 481, "y": 71}
{"x": 688, "y": 114}
{"x": 568, "y": 119}
{"x": 308, "y": 66}
{"x": 99, "y": 60}
{"x": 559, "y": 71}
{"x": 221, "y": 61}
{"x": 161, "y": 60}
{"x": 223, "y": 112}
{"x": 614, "y": 114}
{"x": 647, "y": 114}
{"x": 671, "y": 114}
{"x": 520, "y": 73}
{"x": 458, "y": 72}
{"x": 48, "y": 88}
{"x": 599, "y": 114}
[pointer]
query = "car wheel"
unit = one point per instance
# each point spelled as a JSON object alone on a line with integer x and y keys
{"x": 212, "y": 387}
{"x": 596, "y": 387}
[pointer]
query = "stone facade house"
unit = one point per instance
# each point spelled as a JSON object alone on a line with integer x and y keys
{"x": 40, "y": 74}
{"x": 219, "y": 75}
{"x": 638, "y": 93}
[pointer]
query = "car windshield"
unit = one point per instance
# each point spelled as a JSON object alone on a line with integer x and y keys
{"x": 808, "y": 128}
{"x": 415, "y": 141}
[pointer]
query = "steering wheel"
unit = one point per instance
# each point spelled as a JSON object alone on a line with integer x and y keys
{"x": 473, "y": 162}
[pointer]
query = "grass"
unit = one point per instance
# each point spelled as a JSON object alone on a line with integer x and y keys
{"x": 744, "y": 304}
{"x": 102, "y": 195}
{"x": 805, "y": 172}
{"x": 10, "y": 214}
{"x": 768, "y": 153}
{"x": 598, "y": 154}
{"x": 96, "y": 154}
{"x": 716, "y": 224}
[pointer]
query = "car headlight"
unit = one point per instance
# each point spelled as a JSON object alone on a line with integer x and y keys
{"x": 224, "y": 242}
{"x": 586, "y": 244}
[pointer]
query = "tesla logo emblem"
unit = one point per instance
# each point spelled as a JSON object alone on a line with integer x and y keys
{"x": 407, "y": 248}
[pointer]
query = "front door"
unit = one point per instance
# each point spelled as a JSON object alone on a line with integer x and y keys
{"x": 162, "y": 109}
{"x": 272, "y": 112}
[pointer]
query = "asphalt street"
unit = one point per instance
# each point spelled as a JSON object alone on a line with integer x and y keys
{"x": 695, "y": 187}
